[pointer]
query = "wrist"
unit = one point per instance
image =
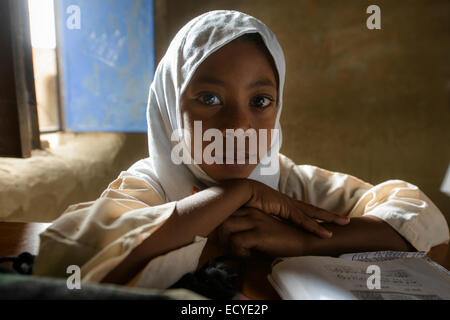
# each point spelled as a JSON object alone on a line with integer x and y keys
{"x": 242, "y": 187}
{"x": 305, "y": 243}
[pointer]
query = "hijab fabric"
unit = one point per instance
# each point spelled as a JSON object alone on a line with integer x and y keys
{"x": 193, "y": 43}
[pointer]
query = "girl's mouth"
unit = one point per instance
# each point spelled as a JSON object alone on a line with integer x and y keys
{"x": 235, "y": 166}
{"x": 237, "y": 159}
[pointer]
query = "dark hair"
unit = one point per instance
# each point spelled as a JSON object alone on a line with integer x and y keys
{"x": 256, "y": 38}
{"x": 215, "y": 279}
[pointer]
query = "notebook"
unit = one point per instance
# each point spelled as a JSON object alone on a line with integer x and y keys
{"x": 381, "y": 275}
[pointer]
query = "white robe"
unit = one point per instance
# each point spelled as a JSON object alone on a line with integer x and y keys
{"x": 98, "y": 235}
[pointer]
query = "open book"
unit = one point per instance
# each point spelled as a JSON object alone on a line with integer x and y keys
{"x": 389, "y": 275}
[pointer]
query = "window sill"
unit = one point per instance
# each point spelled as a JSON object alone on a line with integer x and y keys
{"x": 40, "y": 188}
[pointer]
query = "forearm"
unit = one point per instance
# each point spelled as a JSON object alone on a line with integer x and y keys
{"x": 198, "y": 214}
{"x": 365, "y": 233}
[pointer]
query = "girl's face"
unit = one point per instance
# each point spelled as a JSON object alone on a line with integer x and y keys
{"x": 235, "y": 87}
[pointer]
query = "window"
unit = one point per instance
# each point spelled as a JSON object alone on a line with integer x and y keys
{"x": 75, "y": 65}
{"x": 43, "y": 40}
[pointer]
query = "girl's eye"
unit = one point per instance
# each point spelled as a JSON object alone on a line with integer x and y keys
{"x": 209, "y": 99}
{"x": 262, "y": 102}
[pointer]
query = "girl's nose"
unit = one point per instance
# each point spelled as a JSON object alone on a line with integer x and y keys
{"x": 235, "y": 116}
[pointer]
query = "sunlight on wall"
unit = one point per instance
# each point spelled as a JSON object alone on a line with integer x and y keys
{"x": 43, "y": 40}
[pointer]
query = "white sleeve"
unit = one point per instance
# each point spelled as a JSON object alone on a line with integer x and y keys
{"x": 98, "y": 235}
{"x": 403, "y": 205}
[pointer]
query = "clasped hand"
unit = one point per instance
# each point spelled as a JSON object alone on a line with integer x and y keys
{"x": 273, "y": 223}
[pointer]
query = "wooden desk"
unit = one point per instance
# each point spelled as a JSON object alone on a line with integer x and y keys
{"x": 16, "y": 237}
{"x": 19, "y": 237}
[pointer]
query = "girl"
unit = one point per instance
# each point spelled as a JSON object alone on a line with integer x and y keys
{"x": 226, "y": 70}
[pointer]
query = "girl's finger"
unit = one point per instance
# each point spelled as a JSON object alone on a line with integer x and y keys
{"x": 232, "y": 225}
{"x": 245, "y": 211}
{"x": 322, "y": 214}
{"x": 300, "y": 219}
{"x": 242, "y": 242}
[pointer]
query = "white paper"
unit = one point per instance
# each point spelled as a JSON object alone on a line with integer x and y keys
{"x": 324, "y": 278}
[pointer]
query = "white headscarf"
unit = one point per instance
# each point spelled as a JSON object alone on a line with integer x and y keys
{"x": 189, "y": 48}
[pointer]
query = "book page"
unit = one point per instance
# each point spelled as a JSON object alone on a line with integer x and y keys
{"x": 333, "y": 278}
